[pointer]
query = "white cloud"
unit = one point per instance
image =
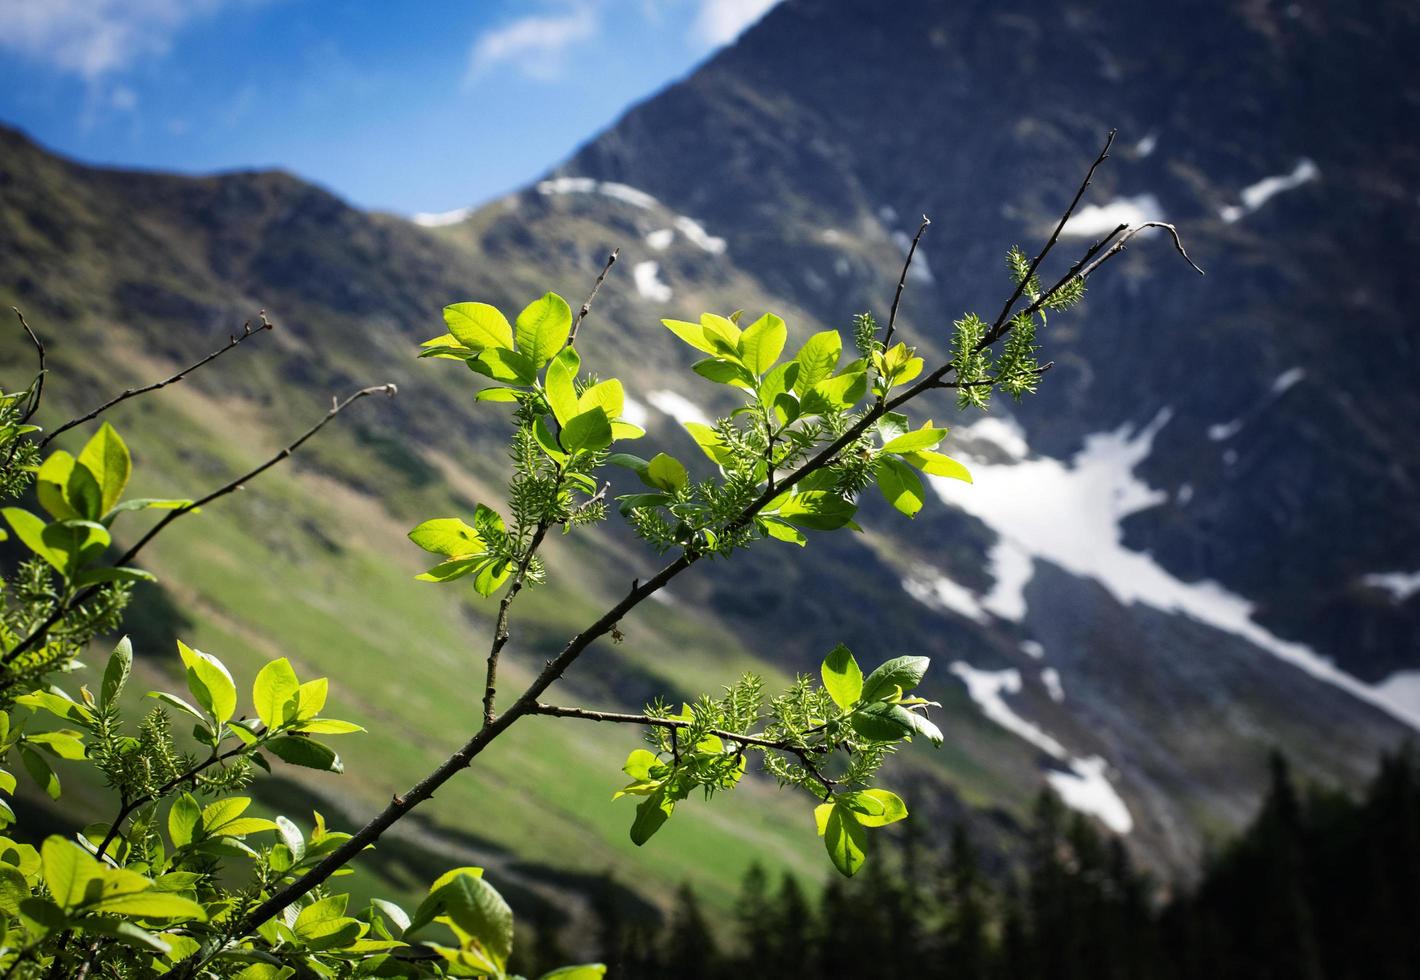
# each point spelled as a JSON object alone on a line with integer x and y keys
{"x": 93, "y": 38}
{"x": 721, "y": 21}
{"x": 536, "y": 46}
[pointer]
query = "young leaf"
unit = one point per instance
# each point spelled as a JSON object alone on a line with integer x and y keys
{"x": 273, "y": 690}
{"x": 842, "y": 678}
{"x": 106, "y": 457}
{"x": 709, "y": 442}
{"x": 817, "y": 359}
{"x": 448, "y": 536}
{"x": 561, "y": 395}
{"x": 589, "y": 430}
{"x": 899, "y": 672}
{"x": 936, "y": 464}
{"x": 40, "y": 772}
{"x": 299, "y": 751}
{"x": 666, "y": 473}
{"x": 209, "y": 682}
{"x": 477, "y": 325}
{"x": 502, "y": 364}
{"x": 543, "y": 327}
{"x": 883, "y": 721}
{"x": 184, "y": 819}
{"x": 692, "y": 333}
{"x": 607, "y": 395}
{"x": 845, "y": 840}
{"x": 923, "y": 438}
{"x": 893, "y": 809}
{"x": 762, "y": 343}
{"x": 900, "y": 485}
{"x": 651, "y": 815}
{"x": 68, "y": 869}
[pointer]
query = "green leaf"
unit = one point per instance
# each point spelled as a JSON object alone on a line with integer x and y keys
{"x": 68, "y": 870}
{"x": 478, "y": 325}
{"x": 818, "y": 509}
{"x": 893, "y": 809}
{"x": 900, "y": 485}
{"x": 558, "y": 387}
{"x": 477, "y": 909}
{"x": 899, "y": 672}
{"x": 63, "y": 745}
{"x": 30, "y": 530}
{"x": 762, "y": 343}
{"x": 783, "y": 531}
{"x": 584, "y": 971}
{"x": 96, "y": 576}
{"x": 450, "y": 570}
{"x": 291, "y": 837}
{"x": 306, "y": 752}
{"x": 501, "y": 364}
{"x": 845, "y": 840}
{"x": 107, "y": 459}
{"x": 666, "y": 472}
{"x": 40, "y": 772}
{"x": 883, "y": 721}
{"x": 178, "y": 703}
{"x": 448, "y": 536}
{"x": 496, "y": 395}
{"x": 936, "y": 464}
{"x": 607, "y": 395}
{"x": 275, "y": 686}
{"x": 328, "y": 726}
{"x": 310, "y": 698}
{"x": 590, "y": 430}
{"x": 209, "y": 682}
{"x": 547, "y": 441}
{"x": 125, "y": 932}
{"x": 723, "y": 372}
{"x": 52, "y": 482}
{"x": 651, "y": 815}
{"x": 152, "y": 905}
{"x": 150, "y": 503}
{"x": 77, "y": 541}
{"x": 692, "y": 333}
{"x": 184, "y": 819}
{"x": 58, "y": 705}
{"x": 543, "y": 327}
{"x": 491, "y": 574}
{"x": 722, "y": 335}
{"x": 918, "y": 439}
{"x": 925, "y": 727}
{"x": 837, "y": 393}
{"x": 842, "y": 678}
{"x": 709, "y": 442}
{"x": 639, "y": 763}
{"x": 817, "y": 359}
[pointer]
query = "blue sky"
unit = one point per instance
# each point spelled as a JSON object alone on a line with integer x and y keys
{"x": 405, "y": 106}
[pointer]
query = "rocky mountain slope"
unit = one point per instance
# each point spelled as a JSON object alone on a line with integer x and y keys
{"x": 1199, "y": 542}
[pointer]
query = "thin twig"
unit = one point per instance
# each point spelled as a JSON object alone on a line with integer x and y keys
{"x": 587, "y": 303}
{"x": 1123, "y": 243}
{"x": 61, "y": 609}
{"x": 123, "y": 396}
{"x": 39, "y": 378}
{"x": 902, "y": 280}
{"x": 1004, "y": 315}
{"x": 675, "y": 724}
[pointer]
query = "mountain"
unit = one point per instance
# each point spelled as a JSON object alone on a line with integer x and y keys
{"x": 1197, "y": 543}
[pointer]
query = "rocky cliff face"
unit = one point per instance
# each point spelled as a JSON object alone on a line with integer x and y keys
{"x": 1197, "y": 543}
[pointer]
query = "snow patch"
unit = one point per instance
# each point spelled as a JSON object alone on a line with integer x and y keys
{"x": 567, "y": 185}
{"x": 1004, "y": 433}
{"x": 1069, "y": 513}
{"x": 696, "y": 233}
{"x": 1012, "y": 568}
{"x": 1403, "y": 688}
{"x": 1087, "y": 789}
{"x": 441, "y": 218}
{"x": 634, "y": 412}
{"x": 933, "y": 589}
{"x": 1146, "y": 145}
{"x": 1184, "y": 495}
{"x": 627, "y": 194}
{"x": 1225, "y": 431}
{"x": 1256, "y": 195}
{"x": 1287, "y": 379}
{"x": 1400, "y": 585}
{"x": 1095, "y": 220}
{"x": 678, "y": 407}
{"x": 1033, "y": 649}
{"x": 887, "y": 214}
{"x": 920, "y": 271}
{"x": 660, "y": 239}
{"x": 1084, "y": 784}
{"x": 1050, "y": 677}
{"x": 646, "y": 275}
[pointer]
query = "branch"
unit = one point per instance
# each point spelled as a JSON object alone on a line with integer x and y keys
{"x": 902, "y": 279}
{"x": 38, "y": 635}
{"x": 232, "y": 341}
{"x": 501, "y": 633}
{"x": 587, "y": 303}
{"x": 674, "y": 724}
{"x": 528, "y": 703}
{"x": 1004, "y": 315}
{"x": 39, "y": 378}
